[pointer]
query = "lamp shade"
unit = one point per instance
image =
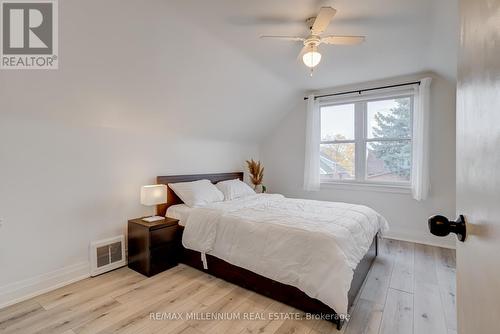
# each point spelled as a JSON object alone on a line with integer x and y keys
{"x": 153, "y": 194}
{"x": 311, "y": 58}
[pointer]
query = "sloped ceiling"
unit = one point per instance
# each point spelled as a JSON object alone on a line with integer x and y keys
{"x": 198, "y": 67}
{"x": 403, "y": 36}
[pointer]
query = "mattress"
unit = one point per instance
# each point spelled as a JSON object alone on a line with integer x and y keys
{"x": 312, "y": 245}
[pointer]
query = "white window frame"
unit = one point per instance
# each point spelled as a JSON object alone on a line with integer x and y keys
{"x": 360, "y": 182}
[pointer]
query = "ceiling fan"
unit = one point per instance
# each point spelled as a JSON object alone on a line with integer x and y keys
{"x": 317, "y": 25}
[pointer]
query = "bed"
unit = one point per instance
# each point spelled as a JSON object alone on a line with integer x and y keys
{"x": 246, "y": 242}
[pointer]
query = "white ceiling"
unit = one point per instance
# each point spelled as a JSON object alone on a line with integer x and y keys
{"x": 403, "y": 36}
{"x": 197, "y": 67}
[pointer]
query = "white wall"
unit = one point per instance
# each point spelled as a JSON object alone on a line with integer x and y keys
{"x": 283, "y": 156}
{"x": 135, "y": 97}
{"x": 64, "y": 186}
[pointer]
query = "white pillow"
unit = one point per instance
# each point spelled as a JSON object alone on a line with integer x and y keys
{"x": 197, "y": 193}
{"x": 233, "y": 189}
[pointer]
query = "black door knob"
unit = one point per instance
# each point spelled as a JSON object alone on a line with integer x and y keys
{"x": 441, "y": 226}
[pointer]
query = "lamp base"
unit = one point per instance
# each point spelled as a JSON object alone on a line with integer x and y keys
{"x": 153, "y": 219}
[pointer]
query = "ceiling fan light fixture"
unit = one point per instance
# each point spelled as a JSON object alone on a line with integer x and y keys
{"x": 317, "y": 26}
{"x": 312, "y": 57}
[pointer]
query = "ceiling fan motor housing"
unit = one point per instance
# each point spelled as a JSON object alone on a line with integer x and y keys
{"x": 312, "y": 40}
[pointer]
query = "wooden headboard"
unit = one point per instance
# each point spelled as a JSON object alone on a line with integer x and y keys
{"x": 173, "y": 199}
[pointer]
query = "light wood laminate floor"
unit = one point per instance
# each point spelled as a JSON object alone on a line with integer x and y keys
{"x": 410, "y": 289}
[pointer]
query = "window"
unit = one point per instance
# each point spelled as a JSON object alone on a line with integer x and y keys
{"x": 367, "y": 141}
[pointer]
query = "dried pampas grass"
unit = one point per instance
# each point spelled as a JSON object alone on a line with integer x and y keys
{"x": 256, "y": 172}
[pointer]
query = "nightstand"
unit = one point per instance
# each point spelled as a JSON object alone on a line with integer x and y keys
{"x": 153, "y": 247}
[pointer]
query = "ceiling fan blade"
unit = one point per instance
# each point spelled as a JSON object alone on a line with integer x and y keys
{"x": 323, "y": 19}
{"x": 343, "y": 40}
{"x": 265, "y": 20}
{"x": 285, "y": 38}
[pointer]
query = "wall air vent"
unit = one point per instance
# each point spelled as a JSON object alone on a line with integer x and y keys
{"x": 106, "y": 255}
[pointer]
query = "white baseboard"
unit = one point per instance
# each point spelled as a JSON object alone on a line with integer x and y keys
{"x": 19, "y": 291}
{"x": 444, "y": 242}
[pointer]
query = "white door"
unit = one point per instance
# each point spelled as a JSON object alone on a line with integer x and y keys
{"x": 478, "y": 167}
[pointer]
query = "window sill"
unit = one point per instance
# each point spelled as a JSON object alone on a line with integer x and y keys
{"x": 364, "y": 186}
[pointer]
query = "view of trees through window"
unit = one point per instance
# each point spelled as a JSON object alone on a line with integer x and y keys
{"x": 387, "y": 141}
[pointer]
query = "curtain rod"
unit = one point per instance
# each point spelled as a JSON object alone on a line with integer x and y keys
{"x": 359, "y": 91}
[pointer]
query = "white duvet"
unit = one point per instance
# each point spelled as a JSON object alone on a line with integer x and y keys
{"x": 312, "y": 245}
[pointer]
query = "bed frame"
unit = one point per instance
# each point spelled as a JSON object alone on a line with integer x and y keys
{"x": 247, "y": 279}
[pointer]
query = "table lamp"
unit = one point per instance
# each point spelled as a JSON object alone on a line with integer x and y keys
{"x": 153, "y": 195}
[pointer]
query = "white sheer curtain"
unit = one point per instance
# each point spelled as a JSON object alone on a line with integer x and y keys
{"x": 420, "y": 181}
{"x": 313, "y": 133}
